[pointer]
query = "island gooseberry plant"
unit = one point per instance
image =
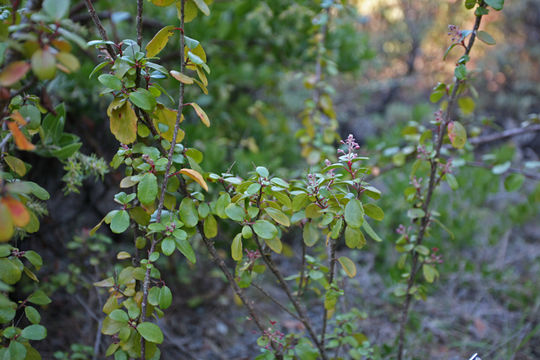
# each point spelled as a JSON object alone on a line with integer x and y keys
{"x": 169, "y": 203}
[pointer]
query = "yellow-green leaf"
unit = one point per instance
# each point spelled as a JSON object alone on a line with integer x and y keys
{"x": 43, "y": 64}
{"x": 70, "y": 61}
{"x": 278, "y": 216}
{"x": 16, "y": 165}
{"x": 457, "y": 134}
{"x": 159, "y": 41}
{"x": 123, "y": 122}
{"x": 200, "y": 112}
{"x": 164, "y": 120}
{"x": 184, "y": 79}
{"x": 236, "y": 248}
{"x": 348, "y": 266}
{"x": 374, "y": 212}
{"x": 210, "y": 227}
{"x": 6, "y": 223}
{"x": 195, "y": 176}
{"x": 274, "y": 244}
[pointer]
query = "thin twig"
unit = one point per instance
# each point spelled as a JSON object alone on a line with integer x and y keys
{"x": 302, "y": 271}
{"x": 331, "y": 275}
{"x": 431, "y": 187}
{"x": 532, "y": 176}
{"x": 275, "y": 301}
{"x": 504, "y": 134}
{"x": 146, "y": 282}
{"x": 101, "y": 29}
{"x": 298, "y": 307}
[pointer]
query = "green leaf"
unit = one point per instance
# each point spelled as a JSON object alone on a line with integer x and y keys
{"x": 469, "y": 4}
{"x": 460, "y": 72}
{"x": 265, "y": 229}
{"x": 262, "y": 171}
{"x": 32, "y": 314}
{"x": 369, "y": 230}
{"x": 56, "y": 9}
{"x": 210, "y": 227}
{"x": 39, "y": 298}
{"x": 374, "y": 212}
{"x": 168, "y": 245}
{"x": 202, "y": 6}
{"x": 430, "y": 273}
{"x": 15, "y": 351}
{"x": 416, "y": 213}
{"x": 150, "y": 332}
{"x": 236, "y": 248}
{"x": 278, "y": 216}
{"x": 143, "y": 99}
{"x": 495, "y": 4}
{"x": 354, "y": 238}
{"x": 120, "y": 222}
{"x": 38, "y": 191}
{"x": 10, "y": 272}
{"x": 457, "y": 134}
{"x": 354, "y": 213}
{"x": 110, "y": 81}
{"x": 165, "y": 297}
{"x": 185, "y": 248}
{"x": 513, "y": 182}
{"x": 300, "y": 201}
{"x": 43, "y": 64}
{"x": 452, "y": 181}
{"x": 486, "y": 37}
{"x": 348, "y": 265}
{"x": 188, "y": 213}
{"x": 235, "y": 212}
{"x": 159, "y": 41}
{"x": 147, "y": 189}
{"x": 34, "y": 258}
{"x": 310, "y": 234}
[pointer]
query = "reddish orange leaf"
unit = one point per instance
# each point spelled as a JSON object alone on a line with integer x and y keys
{"x": 18, "y": 118}
{"x": 195, "y": 176}
{"x": 19, "y": 213}
{"x": 20, "y": 140}
{"x": 14, "y": 72}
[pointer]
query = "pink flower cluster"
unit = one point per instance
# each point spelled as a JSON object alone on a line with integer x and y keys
{"x": 455, "y": 33}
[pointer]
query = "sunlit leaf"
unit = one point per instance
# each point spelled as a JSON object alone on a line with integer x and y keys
{"x": 181, "y": 77}
{"x": 195, "y": 175}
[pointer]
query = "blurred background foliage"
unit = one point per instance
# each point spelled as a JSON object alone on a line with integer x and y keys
{"x": 384, "y": 57}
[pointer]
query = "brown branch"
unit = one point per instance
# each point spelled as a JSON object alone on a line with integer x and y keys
{"x": 146, "y": 282}
{"x": 533, "y": 176}
{"x": 431, "y": 188}
{"x": 302, "y": 271}
{"x": 101, "y": 29}
{"x": 333, "y": 261}
{"x": 504, "y": 135}
{"x": 297, "y": 306}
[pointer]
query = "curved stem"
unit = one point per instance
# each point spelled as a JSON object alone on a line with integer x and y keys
{"x": 415, "y": 266}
